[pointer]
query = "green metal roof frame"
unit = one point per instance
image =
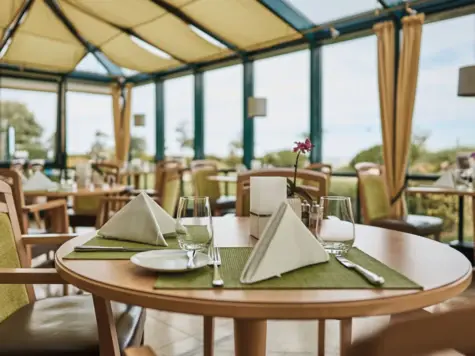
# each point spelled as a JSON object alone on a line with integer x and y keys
{"x": 311, "y": 34}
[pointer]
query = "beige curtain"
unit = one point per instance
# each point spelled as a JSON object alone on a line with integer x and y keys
{"x": 386, "y": 57}
{"x": 397, "y": 130}
{"x": 121, "y": 111}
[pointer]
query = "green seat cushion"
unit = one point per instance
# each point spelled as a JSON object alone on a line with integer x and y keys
{"x": 12, "y": 296}
{"x": 171, "y": 192}
{"x": 205, "y": 187}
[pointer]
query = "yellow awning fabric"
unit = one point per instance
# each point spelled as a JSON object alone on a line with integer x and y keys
{"x": 43, "y": 41}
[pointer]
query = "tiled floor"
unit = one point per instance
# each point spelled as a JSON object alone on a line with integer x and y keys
{"x": 171, "y": 334}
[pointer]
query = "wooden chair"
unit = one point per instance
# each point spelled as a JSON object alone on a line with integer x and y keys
{"x": 52, "y": 326}
{"x": 85, "y": 209}
{"x": 204, "y": 187}
{"x": 55, "y": 211}
{"x": 199, "y": 163}
{"x": 376, "y": 205}
{"x": 160, "y": 168}
{"x": 140, "y": 351}
{"x": 422, "y": 336}
{"x": 320, "y": 167}
{"x": 317, "y": 189}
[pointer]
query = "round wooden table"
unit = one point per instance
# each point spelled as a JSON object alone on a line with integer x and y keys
{"x": 442, "y": 271}
{"x": 79, "y": 192}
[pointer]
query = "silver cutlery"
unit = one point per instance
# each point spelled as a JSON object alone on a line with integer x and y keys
{"x": 191, "y": 258}
{"x": 216, "y": 256}
{"x": 373, "y": 278}
{"x": 110, "y": 249}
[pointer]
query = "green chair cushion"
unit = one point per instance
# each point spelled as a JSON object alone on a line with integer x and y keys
{"x": 205, "y": 187}
{"x": 12, "y": 297}
{"x": 376, "y": 197}
{"x": 171, "y": 192}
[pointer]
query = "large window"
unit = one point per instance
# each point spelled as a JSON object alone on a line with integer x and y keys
{"x": 443, "y": 123}
{"x": 179, "y": 107}
{"x": 351, "y": 117}
{"x": 32, "y": 115}
{"x": 223, "y": 114}
{"x": 284, "y": 82}
{"x": 142, "y": 143}
{"x": 89, "y": 127}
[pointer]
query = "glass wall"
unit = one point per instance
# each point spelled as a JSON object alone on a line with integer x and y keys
{"x": 351, "y": 118}
{"x": 443, "y": 123}
{"x": 89, "y": 127}
{"x": 33, "y": 117}
{"x": 142, "y": 144}
{"x": 179, "y": 113}
{"x": 223, "y": 114}
{"x": 284, "y": 82}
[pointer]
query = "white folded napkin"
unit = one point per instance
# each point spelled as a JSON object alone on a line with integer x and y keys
{"x": 38, "y": 181}
{"x": 446, "y": 180}
{"x": 141, "y": 220}
{"x": 286, "y": 244}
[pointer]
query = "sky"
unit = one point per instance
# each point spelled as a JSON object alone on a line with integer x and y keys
{"x": 351, "y": 120}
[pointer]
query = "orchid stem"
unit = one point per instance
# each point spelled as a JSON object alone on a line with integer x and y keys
{"x": 295, "y": 173}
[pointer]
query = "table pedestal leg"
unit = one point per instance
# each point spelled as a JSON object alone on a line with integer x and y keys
{"x": 208, "y": 335}
{"x": 108, "y": 343}
{"x": 345, "y": 336}
{"x": 321, "y": 338}
{"x": 250, "y": 337}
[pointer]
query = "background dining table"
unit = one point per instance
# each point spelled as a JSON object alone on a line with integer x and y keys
{"x": 441, "y": 271}
{"x": 78, "y": 192}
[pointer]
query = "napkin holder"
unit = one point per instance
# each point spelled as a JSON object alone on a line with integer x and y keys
{"x": 258, "y": 223}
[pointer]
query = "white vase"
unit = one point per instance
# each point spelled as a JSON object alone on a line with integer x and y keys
{"x": 296, "y": 206}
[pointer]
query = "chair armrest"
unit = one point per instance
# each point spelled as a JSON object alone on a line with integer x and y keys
{"x": 49, "y": 205}
{"x": 30, "y": 276}
{"x": 139, "y": 351}
{"x": 47, "y": 239}
{"x": 394, "y": 224}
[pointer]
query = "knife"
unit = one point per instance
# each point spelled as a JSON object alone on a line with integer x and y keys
{"x": 371, "y": 277}
{"x": 110, "y": 249}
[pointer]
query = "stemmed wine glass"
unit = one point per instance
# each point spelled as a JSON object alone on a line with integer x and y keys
{"x": 194, "y": 226}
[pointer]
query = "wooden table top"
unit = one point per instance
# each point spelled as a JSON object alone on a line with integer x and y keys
{"x": 439, "y": 190}
{"x": 441, "y": 270}
{"x": 77, "y": 192}
{"x": 223, "y": 179}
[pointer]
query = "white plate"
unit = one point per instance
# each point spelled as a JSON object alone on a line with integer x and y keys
{"x": 168, "y": 260}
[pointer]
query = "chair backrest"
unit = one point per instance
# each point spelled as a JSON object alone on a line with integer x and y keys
{"x": 12, "y": 255}
{"x": 13, "y": 178}
{"x": 422, "y": 336}
{"x": 171, "y": 189}
{"x": 317, "y": 189}
{"x": 199, "y": 163}
{"x": 109, "y": 171}
{"x": 320, "y": 167}
{"x": 109, "y": 205}
{"x": 160, "y": 168}
{"x": 374, "y": 195}
{"x": 203, "y": 186}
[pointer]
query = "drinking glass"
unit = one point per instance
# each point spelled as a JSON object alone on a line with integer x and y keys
{"x": 194, "y": 226}
{"x": 335, "y": 225}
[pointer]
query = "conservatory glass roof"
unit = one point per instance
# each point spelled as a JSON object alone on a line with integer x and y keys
{"x": 126, "y": 37}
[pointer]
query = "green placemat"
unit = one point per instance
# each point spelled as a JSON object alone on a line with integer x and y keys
{"x": 331, "y": 275}
{"x": 99, "y": 241}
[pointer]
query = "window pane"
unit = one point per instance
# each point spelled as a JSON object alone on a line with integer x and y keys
{"x": 33, "y": 115}
{"x": 320, "y": 11}
{"x": 142, "y": 143}
{"x": 351, "y": 118}
{"x": 179, "y": 107}
{"x": 223, "y": 114}
{"x": 284, "y": 81}
{"x": 90, "y": 64}
{"x": 89, "y": 127}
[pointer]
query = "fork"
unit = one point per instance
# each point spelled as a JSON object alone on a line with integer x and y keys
{"x": 216, "y": 257}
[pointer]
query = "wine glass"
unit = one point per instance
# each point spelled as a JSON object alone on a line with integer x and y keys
{"x": 336, "y": 226}
{"x": 194, "y": 226}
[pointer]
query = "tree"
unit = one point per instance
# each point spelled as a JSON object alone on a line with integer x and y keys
{"x": 185, "y": 139}
{"x": 28, "y": 131}
{"x": 138, "y": 146}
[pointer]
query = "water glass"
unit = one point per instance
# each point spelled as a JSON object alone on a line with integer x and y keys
{"x": 194, "y": 226}
{"x": 335, "y": 225}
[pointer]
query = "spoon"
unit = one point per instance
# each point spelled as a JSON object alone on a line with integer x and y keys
{"x": 191, "y": 256}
